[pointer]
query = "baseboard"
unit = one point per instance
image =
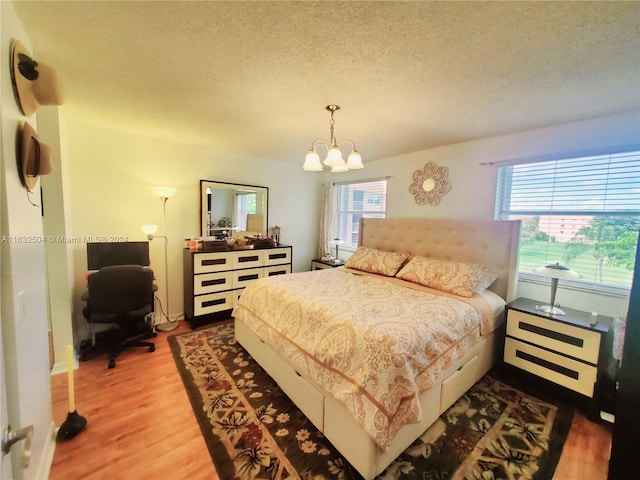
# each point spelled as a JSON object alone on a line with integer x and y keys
{"x": 62, "y": 367}
{"x": 46, "y": 460}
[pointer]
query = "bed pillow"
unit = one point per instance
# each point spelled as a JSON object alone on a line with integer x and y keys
{"x": 445, "y": 275}
{"x": 486, "y": 281}
{"x": 376, "y": 261}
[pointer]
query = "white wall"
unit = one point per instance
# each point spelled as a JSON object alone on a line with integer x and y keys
{"x": 473, "y": 185}
{"x": 110, "y": 175}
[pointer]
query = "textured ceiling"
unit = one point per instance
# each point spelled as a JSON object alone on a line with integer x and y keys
{"x": 254, "y": 77}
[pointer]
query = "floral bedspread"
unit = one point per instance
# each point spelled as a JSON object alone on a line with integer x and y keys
{"x": 372, "y": 344}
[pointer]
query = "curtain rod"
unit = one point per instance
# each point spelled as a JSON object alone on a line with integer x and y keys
{"x": 362, "y": 181}
{"x": 563, "y": 156}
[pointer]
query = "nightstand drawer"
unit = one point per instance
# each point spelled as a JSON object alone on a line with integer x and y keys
{"x": 569, "y": 340}
{"x": 564, "y": 371}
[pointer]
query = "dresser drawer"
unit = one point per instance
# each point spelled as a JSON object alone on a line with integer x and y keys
{"x": 569, "y": 373}
{"x": 236, "y": 296}
{"x": 567, "y": 339}
{"x": 212, "y": 303}
{"x": 242, "y": 278}
{"x": 248, "y": 259}
{"x": 212, "y": 262}
{"x": 277, "y": 256}
{"x": 212, "y": 282}
{"x": 277, "y": 270}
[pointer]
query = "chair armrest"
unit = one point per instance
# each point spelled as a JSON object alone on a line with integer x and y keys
{"x": 85, "y": 295}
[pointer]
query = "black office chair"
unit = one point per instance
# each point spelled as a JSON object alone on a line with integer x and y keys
{"x": 122, "y": 294}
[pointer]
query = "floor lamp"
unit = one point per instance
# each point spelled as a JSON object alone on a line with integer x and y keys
{"x": 164, "y": 193}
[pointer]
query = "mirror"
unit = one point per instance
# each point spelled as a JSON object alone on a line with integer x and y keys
{"x": 229, "y": 209}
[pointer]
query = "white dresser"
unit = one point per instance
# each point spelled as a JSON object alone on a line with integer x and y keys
{"x": 213, "y": 281}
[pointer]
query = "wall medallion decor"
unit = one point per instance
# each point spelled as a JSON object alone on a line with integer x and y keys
{"x": 430, "y": 184}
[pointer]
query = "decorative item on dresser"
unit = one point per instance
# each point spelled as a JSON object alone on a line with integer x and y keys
{"x": 213, "y": 281}
{"x": 572, "y": 351}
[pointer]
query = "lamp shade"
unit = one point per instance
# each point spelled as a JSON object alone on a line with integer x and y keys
{"x": 555, "y": 270}
{"x": 312, "y": 162}
{"x": 163, "y": 192}
{"x": 354, "y": 161}
{"x": 334, "y": 157}
{"x": 149, "y": 229}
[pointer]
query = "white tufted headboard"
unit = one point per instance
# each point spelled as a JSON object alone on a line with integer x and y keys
{"x": 491, "y": 243}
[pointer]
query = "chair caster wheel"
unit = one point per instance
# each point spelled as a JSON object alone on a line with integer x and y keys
{"x": 152, "y": 349}
{"x": 112, "y": 363}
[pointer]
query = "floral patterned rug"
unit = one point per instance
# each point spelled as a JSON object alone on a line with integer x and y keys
{"x": 253, "y": 430}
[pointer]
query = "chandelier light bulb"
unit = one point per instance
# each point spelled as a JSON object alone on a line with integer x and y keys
{"x": 334, "y": 157}
{"x": 312, "y": 162}
{"x": 354, "y": 161}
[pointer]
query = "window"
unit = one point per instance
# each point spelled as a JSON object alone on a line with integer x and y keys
{"x": 245, "y": 203}
{"x": 581, "y": 212}
{"x": 356, "y": 200}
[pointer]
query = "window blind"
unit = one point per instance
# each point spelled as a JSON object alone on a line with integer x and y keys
{"x": 582, "y": 212}
{"x": 356, "y": 200}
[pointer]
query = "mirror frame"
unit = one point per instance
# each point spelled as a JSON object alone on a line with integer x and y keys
{"x": 204, "y": 184}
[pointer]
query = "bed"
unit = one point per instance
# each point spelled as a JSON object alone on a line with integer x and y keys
{"x": 402, "y": 351}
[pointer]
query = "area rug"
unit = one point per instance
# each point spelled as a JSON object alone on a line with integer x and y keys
{"x": 253, "y": 430}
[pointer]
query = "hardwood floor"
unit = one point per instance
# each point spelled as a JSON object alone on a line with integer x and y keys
{"x": 140, "y": 425}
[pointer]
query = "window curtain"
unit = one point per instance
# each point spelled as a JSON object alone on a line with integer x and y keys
{"x": 327, "y": 219}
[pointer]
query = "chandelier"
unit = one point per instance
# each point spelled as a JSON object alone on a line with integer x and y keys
{"x": 334, "y": 155}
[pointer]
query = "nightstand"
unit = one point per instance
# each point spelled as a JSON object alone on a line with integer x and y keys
{"x": 563, "y": 349}
{"x": 317, "y": 264}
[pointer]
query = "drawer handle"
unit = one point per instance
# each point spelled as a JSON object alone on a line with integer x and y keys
{"x": 218, "y": 281}
{"x": 275, "y": 256}
{"x": 253, "y": 258}
{"x": 215, "y": 261}
{"x": 561, "y": 337}
{"x": 244, "y": 278}
{"x": 567, "y": 372}
{"x": 211, "y": 303}
{"x": 278, "y": 272}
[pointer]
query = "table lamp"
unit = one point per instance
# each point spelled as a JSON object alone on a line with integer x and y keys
{"x": 555, "y": 271}
{"x": 336, "y": 242}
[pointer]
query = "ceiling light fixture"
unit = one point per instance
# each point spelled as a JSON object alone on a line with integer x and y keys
{"x": 334, "y": 155}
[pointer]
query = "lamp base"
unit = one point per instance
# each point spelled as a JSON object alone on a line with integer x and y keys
{"x": 551, "y": 310}
{"x": 167, "y": 326}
